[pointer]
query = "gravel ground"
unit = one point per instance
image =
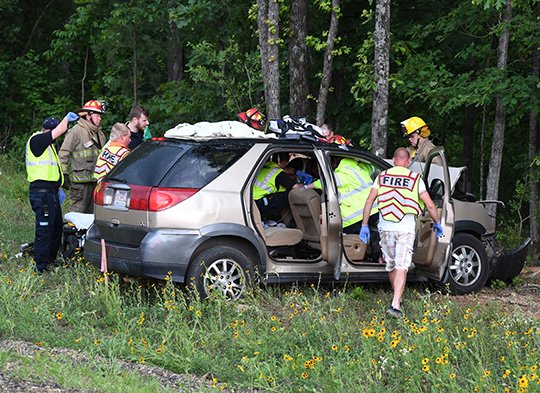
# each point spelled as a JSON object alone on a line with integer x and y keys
{"x": 166, "y": 379}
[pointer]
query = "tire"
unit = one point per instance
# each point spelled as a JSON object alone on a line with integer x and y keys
{"x": 468, "y": 267}
{"x": 221, "y": 270}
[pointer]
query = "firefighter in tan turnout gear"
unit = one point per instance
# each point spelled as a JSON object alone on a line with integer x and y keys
{"x": 78, "y": 156}
{"x": 417, "y": 132}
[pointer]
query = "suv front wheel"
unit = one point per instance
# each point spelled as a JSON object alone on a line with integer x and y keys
{"x": 221, "y": 270}
{"x": 468, "y": 267}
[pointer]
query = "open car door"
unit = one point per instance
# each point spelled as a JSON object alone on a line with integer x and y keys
{"x": 330, "y": 216}
{"x": 431, "y": 254}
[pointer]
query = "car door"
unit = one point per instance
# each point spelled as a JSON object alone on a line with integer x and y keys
{"x": 330, "y": 215}
{"x": 431, "y": 254}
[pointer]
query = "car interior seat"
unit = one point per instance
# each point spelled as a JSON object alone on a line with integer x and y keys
{"x": 276, "y": 236}
{"x": 306, "y": 209}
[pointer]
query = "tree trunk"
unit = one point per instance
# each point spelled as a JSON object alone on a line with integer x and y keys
{"x": 534, "y": 207}
{"x": 381, "y": 65}
{"x": 468, "y": 143}
{"x": 268, "y": 24}
{"x": 135, "y": 69}
{"x": 298, "y": 88}
{"x": 175, "y": 63}
{"x": 327, "y": 64}
{"x": 495, "y": 162}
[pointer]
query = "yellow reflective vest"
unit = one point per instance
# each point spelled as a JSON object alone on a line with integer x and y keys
{"x": 354, "y": 182}
{"x": 398, "y": 194}
{"x": 45, "y": 167}
{"x": 265, "y": 183}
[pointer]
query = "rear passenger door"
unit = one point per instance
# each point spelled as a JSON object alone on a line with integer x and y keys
{"x": 431, "y": 254}
{"x": 330, "y": 215}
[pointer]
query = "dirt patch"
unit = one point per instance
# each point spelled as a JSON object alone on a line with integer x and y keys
{"x": 523, "y": 298}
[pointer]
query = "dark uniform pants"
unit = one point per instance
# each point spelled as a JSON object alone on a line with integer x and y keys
{"x": 48, "y": 237}
{"x": 272, "y": 205}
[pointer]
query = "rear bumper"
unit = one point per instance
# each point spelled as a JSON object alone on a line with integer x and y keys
{"x": 507, "y": 266}
{"x": 161, "y": 253}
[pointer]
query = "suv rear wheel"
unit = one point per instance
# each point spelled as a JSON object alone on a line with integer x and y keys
{"x": 222, "y": 270}
{"x": 468, "y": 267}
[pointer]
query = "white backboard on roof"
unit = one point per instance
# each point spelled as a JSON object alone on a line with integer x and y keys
{"x": 221, "y": 129}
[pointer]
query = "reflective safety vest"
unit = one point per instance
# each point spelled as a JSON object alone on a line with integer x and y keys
{"x": 398, "y": 193}
{"x": 111, "y": 155}
{"x": 354, "y": 185}
{"x": 265, "y": 183}
{"x": 45, "y": 167}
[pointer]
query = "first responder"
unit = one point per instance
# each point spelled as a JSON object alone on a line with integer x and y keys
{"x": 354, "y": 180}
{"x": 401, "y": 195}
{"x": 79, "y": 153}
{"x": 417, "y": 132}
{"x": 114, "y": 151}
{"x": 253, "y": 118}
{"x": 331, "y": 137}
{"x": 45, "y": 177}
{"x": 138, "y": 123}
{"x": 272, "y": 186}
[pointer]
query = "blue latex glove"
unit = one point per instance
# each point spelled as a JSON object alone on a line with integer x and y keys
{"x": 364, "y": 234}
{"x": 71, "y": 116}
{"x": 438, "y": 229}
{"x": 304, "y": 178}
{"x": 61, "y": 196}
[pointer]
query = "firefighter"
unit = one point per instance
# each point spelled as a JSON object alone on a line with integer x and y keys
{"x": 401, "y": 195}
{"x": 45, "y": 177}
{"x": 331, "y": 137}
{"x": 417, "y": 132}
{"x": 253, "y": 118}
{"x": 114, "y": 151}
{"x": 138, "y": 125}
{"x": 79, "y": 153}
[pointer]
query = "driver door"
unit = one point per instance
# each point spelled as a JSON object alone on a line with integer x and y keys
{"x": 431, "y": 254}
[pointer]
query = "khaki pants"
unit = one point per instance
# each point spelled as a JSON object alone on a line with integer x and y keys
{"x": 81, "y": 196}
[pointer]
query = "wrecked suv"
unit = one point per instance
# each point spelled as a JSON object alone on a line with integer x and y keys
{"x": 183, "y": 207}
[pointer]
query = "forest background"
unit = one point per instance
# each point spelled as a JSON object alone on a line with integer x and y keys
{"x": 469, "y": 69}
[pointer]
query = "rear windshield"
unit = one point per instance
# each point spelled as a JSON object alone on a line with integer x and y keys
{"x": 179, "y": 165}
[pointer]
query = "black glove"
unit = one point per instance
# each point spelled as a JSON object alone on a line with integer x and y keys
{"x": 67, "y": 182}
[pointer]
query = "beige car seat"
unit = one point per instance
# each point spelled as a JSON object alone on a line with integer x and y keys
{"x": 276, "y": 236}
{"x": 306, "y": 210}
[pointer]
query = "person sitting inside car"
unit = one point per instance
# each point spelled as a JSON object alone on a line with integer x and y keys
{"x": 354, "y": 181}
{"x": 272, "y": 186}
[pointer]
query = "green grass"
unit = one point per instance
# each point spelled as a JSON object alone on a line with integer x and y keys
{"x": 293, "y": 339}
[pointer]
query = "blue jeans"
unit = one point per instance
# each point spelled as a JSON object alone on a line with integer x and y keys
{"x": 48, "y": 236}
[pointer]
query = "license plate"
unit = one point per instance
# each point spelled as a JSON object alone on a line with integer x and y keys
{"x": 120, "y": 198}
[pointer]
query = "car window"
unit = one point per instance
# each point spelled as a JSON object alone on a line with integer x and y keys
{"x": 203, "y": 163}
{"x": 147, "y": 164}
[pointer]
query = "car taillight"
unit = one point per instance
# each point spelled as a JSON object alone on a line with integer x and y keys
{"x": 164, "y": 198}
{"x": 99, "y": 193}
{"x": 139, "y": 196}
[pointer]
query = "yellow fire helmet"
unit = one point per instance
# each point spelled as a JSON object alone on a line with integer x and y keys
{"x": 415, "y": 124}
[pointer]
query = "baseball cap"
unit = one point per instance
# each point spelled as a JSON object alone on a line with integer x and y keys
{"x": 50, "y": 123}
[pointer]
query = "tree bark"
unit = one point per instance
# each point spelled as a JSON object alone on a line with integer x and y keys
{"x": 322, "y": 99}
{"x": 175, "y": 63}
{"x": 298, "y": 82}
{"x": 468, "y": 143}
{"x": 495, "y": 162}
{"x": 381, "y": 65}
{"x": 534, "y": 207}
{"x": 268, "y": 24}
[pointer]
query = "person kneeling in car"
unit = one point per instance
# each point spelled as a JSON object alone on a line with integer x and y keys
{"x": 272, "y": 186}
